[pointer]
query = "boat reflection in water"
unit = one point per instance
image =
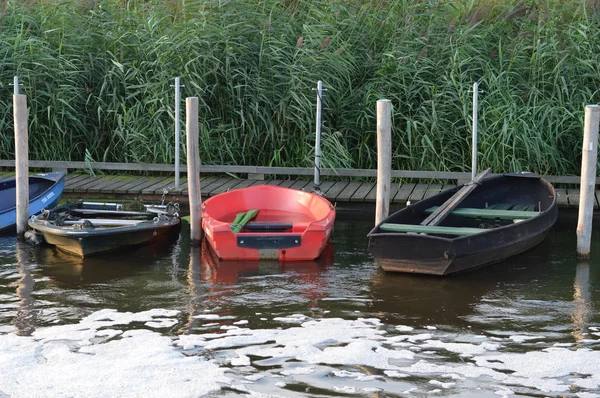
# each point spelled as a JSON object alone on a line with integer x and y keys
{"x": 307, "y": 276}
{"x": 216, "y": 271}
{"x": 414, "y": 299}
{"x": 69, "y": 271}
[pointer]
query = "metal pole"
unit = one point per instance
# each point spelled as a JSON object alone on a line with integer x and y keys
{"x": 193, "y": 170}
{"x": 474, "y": 149}
{"x": 177, "y": 130}
{"x": 588, "y": 180}
{"x": 384, "y": 159}
{"x": 16, "y": 85}
{"x": 317, "y": 187}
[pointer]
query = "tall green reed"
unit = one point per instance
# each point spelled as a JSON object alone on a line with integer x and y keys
{"x": 97, "y": 77}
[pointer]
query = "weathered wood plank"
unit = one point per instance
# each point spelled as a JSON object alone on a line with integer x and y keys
{"x": 92, "y": 181}
{"x": 153, "y": 182}
{"x": 335, "y": 190}
{"x": 72, "y": 186}
{"x": 404, "y": 193}
{"x": 274, "y": 182}
{"x": 446, "y": 208}
{"x": 326, "y": 186}
{"x": 119, "y": 182}
{"x": 287, "y": 183}
{"x": 106, "y": 180}
{"x": 131, "y": 185}
{"x": 430, "y": 229}
{"x": 231, "y": 184}
{"x": 561, "y": 197}
{"x": 214, "y": 185}
{"x": 160, "y": 185}
{"x": 488, "y": 213}
{"x": 69, "y": 182}
{"x": 573, "y": 196}
{"x": 363, "y": 190}
{"x": 418, "y": 193}
{"x": 433, "y": 189}
{"x": 348, "y": 191}
{"x": 148, "y": 181}
{"x": 296, "y": 171}
{"x": 302, "y": 185}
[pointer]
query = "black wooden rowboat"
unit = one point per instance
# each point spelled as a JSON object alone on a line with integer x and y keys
{"x": 503, "y": 216}
{"x": 81, "y": 229}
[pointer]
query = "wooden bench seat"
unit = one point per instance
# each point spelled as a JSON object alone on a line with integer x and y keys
{"x": 489, "y": 213}
{"x": 430, "y": 229}
{"x": 267, "y": 226}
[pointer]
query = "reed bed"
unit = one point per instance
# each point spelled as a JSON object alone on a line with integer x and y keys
{"x": 97, "y": 75}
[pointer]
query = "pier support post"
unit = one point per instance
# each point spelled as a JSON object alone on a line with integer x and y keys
{"x": 21, "y": 162}
{"x": 475, "y": 126}
{"x": 588, "y": 180}
{"x": 384, "y": 159}
{"x": 193, "y": 170}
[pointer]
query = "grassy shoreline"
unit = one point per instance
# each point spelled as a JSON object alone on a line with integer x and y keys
{"x": 97, "y": 75}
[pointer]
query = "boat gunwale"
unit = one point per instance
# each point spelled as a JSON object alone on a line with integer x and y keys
{"x": 375, "y": 231}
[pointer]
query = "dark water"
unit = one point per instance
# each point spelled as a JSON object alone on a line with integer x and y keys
{"x": 545, "y": 294}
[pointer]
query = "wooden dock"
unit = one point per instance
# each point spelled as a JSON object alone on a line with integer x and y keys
{"x": 340, "y": 186}
{"x": 345, "y": 193}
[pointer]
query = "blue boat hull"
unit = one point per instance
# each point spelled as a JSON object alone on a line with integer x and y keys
{"x": 45, "y": 191}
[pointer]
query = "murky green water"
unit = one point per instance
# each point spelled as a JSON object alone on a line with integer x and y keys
{"x": 545, "y": 295}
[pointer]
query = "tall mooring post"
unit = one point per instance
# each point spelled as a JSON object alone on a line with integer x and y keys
{"x": 475, "y": 127}
{"x": 317, "y": 185}
{"x": 21, "y": 159}
{"x": 384, "y": 159}
{"x": 177, "y": 86}
{"x": 193, "y": 170}
{"x": 588, "y": 180}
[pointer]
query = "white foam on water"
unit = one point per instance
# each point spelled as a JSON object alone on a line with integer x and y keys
{"x": 129, "y": 355}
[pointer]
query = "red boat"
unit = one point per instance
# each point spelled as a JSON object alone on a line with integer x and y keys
{"x": 267, "y": 222}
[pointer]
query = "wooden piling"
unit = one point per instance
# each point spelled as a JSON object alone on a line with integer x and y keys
{"x": 384, "y": 159}
{"x": 21, "y": 162}
{"x": 588, "y": 178}
{"x": 193, "y": 170}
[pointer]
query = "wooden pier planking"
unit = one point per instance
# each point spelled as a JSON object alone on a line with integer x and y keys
{"x": 335, "y": 191}
{"x": 433, "y": 189}
{"x": 404, "y": 192}
{"x": 159, "y": 184}
{"x": 302, "y": 185}
{"x": 348, "y": 191}
{"x": 212, "y": 185}
{"x": 231, "y": 184}
{"x": 83, "y": 185}
{"x": 326, "y": 186}
{"x": 149, "y": 182}
{"x": 573, "y": 195}
{"x": 561, "y": 197}
{"x": 360, "y": 195}
{"x": 131, "y": 186}
{"x": 105, "y": 182}
{"x": 419, "y": 192}
{"x": 75, "y": 183}
{"x": 287, "y": 183}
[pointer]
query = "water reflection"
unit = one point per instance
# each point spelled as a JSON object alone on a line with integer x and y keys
{"x": 583, "y": 310}
{"x": 70, "y": 271}
{"x": 454, "y": 299}
{"x": 25, "y": 318}
{"x": 239, "y": 286}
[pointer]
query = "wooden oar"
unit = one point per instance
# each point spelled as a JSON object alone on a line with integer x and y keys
{"x": 444, "y": 210}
